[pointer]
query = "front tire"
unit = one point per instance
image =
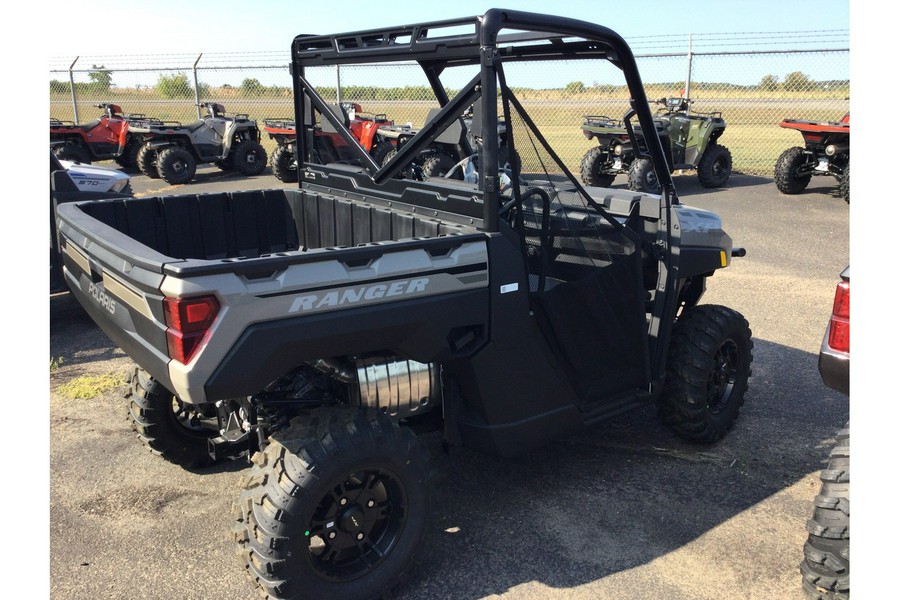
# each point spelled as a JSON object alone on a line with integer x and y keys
{"x": 844, "y": 186}
{"x": 176, "y": 166}
{"x": 250, "y": 158}
{"x": 826, "y": 555}
{"x": 284, "y": 166}
{"x": 438, "y": 165}
{"x": 166, "y": 426}
{"x": 333, "y": 508}
{"x": 128, "y": 158}
{"x": 792, "y": 172}
{"x": 147, "y": 160}
{"x": 595, "y": 165}
{"x": 708, "y": 373}
{"x": 715, "y": 166}
{"x": 642, "y": 177}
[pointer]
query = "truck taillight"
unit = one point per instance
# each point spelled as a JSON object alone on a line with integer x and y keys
{"x": 839, "y": 332}
{"x": 188, "y": 320}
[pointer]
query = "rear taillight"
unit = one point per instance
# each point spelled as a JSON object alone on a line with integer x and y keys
{"x": 188, "y": 320}
{"x": 839, "y": 333}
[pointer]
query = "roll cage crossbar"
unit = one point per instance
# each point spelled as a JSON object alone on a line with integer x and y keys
{"x": 477, "y": 40}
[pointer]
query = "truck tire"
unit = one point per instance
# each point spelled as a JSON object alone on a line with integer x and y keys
{"x": 438, "y": 165}
{"x": 284, "y": 167}
{"x": 787, "y": 171}
{"x": 250, "y": 158}
{"x": 845, "y": 184}
{"x": 166, "y": 426}
{"x": 176, "y": 165}
{"x": 73, "y": 152}
{"x": 333, "y": 508}
{"x": 707, "y": 373}
{"x": 826, "y": 555}
{"x": 595, "y": 168}
{"x": 146, "y": 161}
{"x": 642, "y": 177}
{"x": 715, "y": 166}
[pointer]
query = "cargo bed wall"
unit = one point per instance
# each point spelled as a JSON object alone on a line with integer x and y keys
{"x": 254, "y": 223}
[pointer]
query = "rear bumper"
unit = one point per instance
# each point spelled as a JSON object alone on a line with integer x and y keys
{"x": 834, "y": 366}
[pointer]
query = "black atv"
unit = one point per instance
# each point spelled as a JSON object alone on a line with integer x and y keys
{"x": 826, "y": 152}
{"x": 172, "y": 150}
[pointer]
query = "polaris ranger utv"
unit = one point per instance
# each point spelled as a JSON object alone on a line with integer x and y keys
{"x": 318, "y": 330}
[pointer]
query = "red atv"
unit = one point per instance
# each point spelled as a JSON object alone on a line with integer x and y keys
{"x": 104, "y": 138}
{"x": 827, "y": 152}
{"x": 329, "y": 145}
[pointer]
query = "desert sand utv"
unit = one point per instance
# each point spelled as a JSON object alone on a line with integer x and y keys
{"x": 172, "y": 150}
{"x": 320, "y": 330}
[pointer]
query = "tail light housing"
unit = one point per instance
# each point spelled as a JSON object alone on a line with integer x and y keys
{"x": 839, "y": 331}
{"x": 187, "y": 322}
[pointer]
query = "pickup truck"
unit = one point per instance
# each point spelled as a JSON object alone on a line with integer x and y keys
{"x": 318, "y": 330}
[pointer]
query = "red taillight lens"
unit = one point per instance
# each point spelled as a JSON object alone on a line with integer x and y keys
{"x": 839, "y": 333}
{"x": 188, "y": 320}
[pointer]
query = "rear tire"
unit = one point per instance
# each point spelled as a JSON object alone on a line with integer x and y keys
{"x": 249, "y": 158}
{"x": 333, "y": 508}
{"x": 379, "y": 151}
{"x": 787, "y": 171}
{"x": 284, "y": 167}
{"x": 74, "y": 153}
{"x": 595, "y": 168}
{"x": 826, "y": 555}
{"x": 845, "y": 184}
{"x": 165, "y": 425}
{"x": 146, "y": 161}
{"x": 642, "y": 177}
{"x": 715, "y": 166}
{"x": 128, "y": 158}
{"x": 438, "y": 165}
{"x": 707, "y": 374}
{"x": 176, "y": 166}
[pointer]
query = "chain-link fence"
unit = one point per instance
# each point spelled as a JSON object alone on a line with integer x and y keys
{"x": 753, "y": 91}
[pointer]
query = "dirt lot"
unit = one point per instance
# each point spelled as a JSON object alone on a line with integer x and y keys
{"x": 623, "y": 511}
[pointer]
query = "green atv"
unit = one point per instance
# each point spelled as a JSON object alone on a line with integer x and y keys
{"x": 690, "y": 141}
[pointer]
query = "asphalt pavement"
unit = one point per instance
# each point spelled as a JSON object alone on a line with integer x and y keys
{"x": 623, "y": 511}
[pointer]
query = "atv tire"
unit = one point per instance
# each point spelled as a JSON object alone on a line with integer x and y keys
{"x": 146, "y": 161}
{"x": 715, "y": 166}
{"x": 249, "y": 158}
{"x": 438, "y": 165}
{"x": 844, "y": 185}
{"x": 176, "y": 165}
{"x": 74, "y": 153}
{"x": 595, "y": 168}
{"x": 334, "y": 508}
{"x": 166, "y": 426}
{"x": 284, "y": 167}
{"x": 787, "y": 171}
{"x": 826, "y": 555}
{"x": 379, "y": 151}
{"x": 642, "y": 177}
{"x": 407, "y": 173}
{"x": 707, "y": 373}
{"x": 128, "y": 158}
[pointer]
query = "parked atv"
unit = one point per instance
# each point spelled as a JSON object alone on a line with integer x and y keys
{"x": 328, "y": 144}
{"x": 106, "y": 138}
{"x": 612, "y": 154}
{"x": 827, "y": 152}
{"x": 172, "y": 150}
{"x": 690, "y": 141}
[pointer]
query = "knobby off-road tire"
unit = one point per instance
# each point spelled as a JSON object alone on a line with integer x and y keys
{"x": 844, "y": 186}
{"x": 379, "y": 151}
{"x": 595, "y": 168}
{"x": 438, "y": 165}
{"x": 409, "y": 172}
{"x": 74, "y": 153}
{"x": 708, "y": 373}
{"x": 642, "y": 177}
{"x": 176, "y": 165}
{"x": 826, "y": 555}
{"x": 284, "y": 167}
{"x": 250, "y": 158}
{"x": 334, "y": 507}
{"x": 715, "y": 166}
{"x": 165, "y": 425}
{"x": 146, "y": 161}
{"x": 787, "y": 177}
{"x": 128, "y": 158}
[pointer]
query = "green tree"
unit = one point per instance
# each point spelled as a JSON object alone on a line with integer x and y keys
{"x": 796, "y": 82}
{"x": 58, "y": 87}
{"x": 252, "y": 87}
{"x": 101, "y": 79}
{"x": 769, "y": 83}
{"x": 174, "y": 86}
{"x": 575, "y": 87}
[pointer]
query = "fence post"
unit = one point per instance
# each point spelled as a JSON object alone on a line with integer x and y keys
{"x": 197, "y": 87}
{"x": 690, "y": 60}
{"x": 72, "y": 88}
{"x": 337, "y": 71}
